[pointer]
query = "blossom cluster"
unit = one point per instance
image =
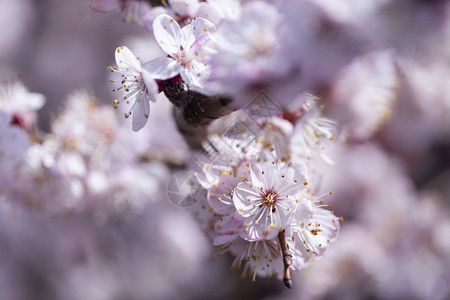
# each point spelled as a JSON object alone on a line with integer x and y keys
{"x": 72, "y": 168}
{"x": 262, "y": 179}
{"x": 263, "y": 197}
{"x": 261, "y": 201}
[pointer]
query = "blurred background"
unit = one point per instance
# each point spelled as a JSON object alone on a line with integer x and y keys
{"x": 55, "y": 47}
{"x": 392, "y": 188}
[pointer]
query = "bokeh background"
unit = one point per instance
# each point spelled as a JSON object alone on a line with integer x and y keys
{"x": 55, "y": 47}
{"x": 392, "y": 189}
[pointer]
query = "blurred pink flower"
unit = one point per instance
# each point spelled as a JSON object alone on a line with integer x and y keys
{"x": 133, "y": 11}
{"x": 17, "y": 101}
{"x": 14, "y": 142}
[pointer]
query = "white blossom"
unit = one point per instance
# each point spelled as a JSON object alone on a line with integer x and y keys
{"x": 184, "y": 48}
{"x": 268, "y": 197}
{"x": 17, "y": 101}
{"x": 138, "y": 86}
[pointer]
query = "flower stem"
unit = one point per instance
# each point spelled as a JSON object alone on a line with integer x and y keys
{"x": 287, "y": 259}
{"x": 193, "y": 111}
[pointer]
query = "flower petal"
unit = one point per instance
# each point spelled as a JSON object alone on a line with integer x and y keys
{"x": 196, "y": 34}
{"x": 35, "y": 101}
{"x": 150, "y": 83}
{"x": 222, "y": 239}
{"x": 105, "y": 5}
{"x": 162, "y": 68}
{"x": 260, "y": 231}
{"x": 188, "y": 37}
{"x": 5, "y": 119}
{"x": 244, "y": 197}
{"x": 184, "y": 7}
{"x": 168, "y": 34}
{"x": 141, "y": 112}
{"x": 150, "y": 16}
{"x": 125, "y": 59}
{"x": 195, "y": 76}
{"x": 228, "y": 225}
{"x": 202, "y": 26}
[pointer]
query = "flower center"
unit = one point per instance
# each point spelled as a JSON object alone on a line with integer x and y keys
{"x": 183, "y": 58}
{"x": 270, "y": 198}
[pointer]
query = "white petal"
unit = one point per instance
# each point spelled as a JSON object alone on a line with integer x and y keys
{"x": 244, "y": 197}
{"x": 141, "y": 112}
{"x": 222, "y": 239}
{"x": 125, "y": 59}
{"x": 227, "y": 225}
{"x": 13, "y": 142}
{"x": 35, "y": 101}
{"x": 5, "y": 119}
{"x": 150, "y": 83}
{"x": 72, "y": 164}
{"x": 201, "y": 26}
{"x": 210, "y": 11}
{"x": 256, "y": 232}
{"x": 195, "y": 76}
{"x": 261, "y": 175}
{"x": 150, "y": 16}
{"x": 188, "y": 37}
{"x": 162, "y": 68}
{"x": 184, "y": 7}
{"x": 304, "y": 210}
{"x": 168, "y": 34}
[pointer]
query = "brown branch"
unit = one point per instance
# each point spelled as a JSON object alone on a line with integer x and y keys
{"x": 287, "y": 260}
{"x": 193, "y": 111}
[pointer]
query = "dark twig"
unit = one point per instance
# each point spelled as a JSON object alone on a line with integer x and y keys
{"x": 287, "y": 259}
{"x": 193, "y": 111}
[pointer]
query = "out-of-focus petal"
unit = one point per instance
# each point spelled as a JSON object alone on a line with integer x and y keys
{"x": 105, "y": 5}
{"x": 201, "y": 26}
{"x": 184, "y": 7}
{"x": 35, "y": 101}
{"x": 140, "y": 112}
